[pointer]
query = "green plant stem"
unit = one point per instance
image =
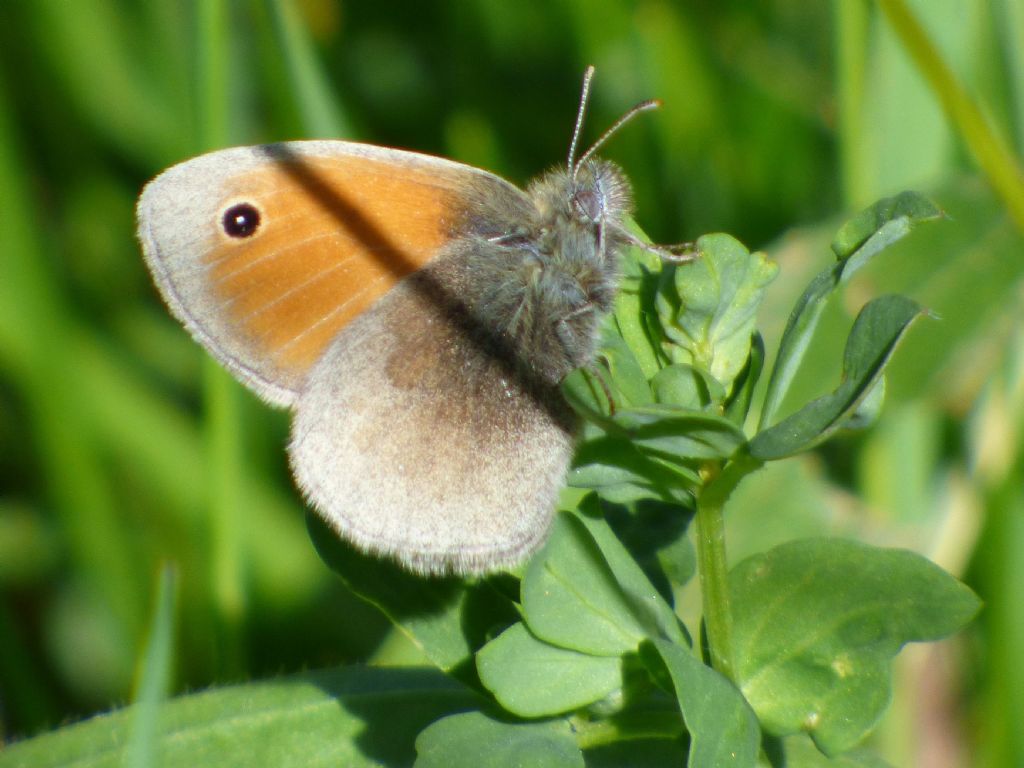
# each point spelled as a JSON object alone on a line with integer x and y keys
{"x": 711, "y": 558}
{"x": 222, "y": 429}
{"x": 714, "y": 586}
{"x": 851, "y": 36}
{"x": 211, "y": 75}
{"x": 992, "y": 154}
{"x": 320, "y": 114}
{"x": 1010, "y": 17}
{"x": 222, "y": 417}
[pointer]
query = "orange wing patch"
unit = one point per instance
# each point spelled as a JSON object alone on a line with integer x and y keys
{"x": 335, "y": 234}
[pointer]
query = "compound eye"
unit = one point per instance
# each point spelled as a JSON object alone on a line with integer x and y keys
{"x": 241, "y": 220}
{"x": 588, "y": 203}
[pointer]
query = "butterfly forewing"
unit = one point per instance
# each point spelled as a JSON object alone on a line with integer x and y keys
{"x": 338, "y": 225}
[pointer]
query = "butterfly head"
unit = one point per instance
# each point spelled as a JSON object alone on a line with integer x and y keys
{"x": 596, "y": 191}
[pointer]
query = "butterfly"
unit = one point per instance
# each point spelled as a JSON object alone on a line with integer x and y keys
{"x": 416, "y": 314}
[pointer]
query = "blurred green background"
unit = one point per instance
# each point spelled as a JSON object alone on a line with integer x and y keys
{"x": 122, "y": 448}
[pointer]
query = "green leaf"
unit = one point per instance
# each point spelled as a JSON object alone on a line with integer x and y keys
{"x": 679, "y": 434}
{"x": 615, "y": 374}
{"x": 859, "y": 240}
{"x": 876, "y": 332}
{"x": 687, "y": 387}
{"x": 723, "y": 729}
{"x": 627, "y": 356}
{"x": 632, "y": 319}
{"x": 585, "y": 391}
{"x": 800, "y": 752}
{"x": 646, "y": 602}
{"x": 625, "y": 373}
{"x": 473, "y": 740}
{"x": 571, "y": 597}
{"x": 352, "y": 716}
{"x": 816, "y": 623}
{"x": 856, "y": 232}
{"x": 654, "y": 533}
{"x": 869, "y": 409}
{"x": 446, "y": 618}
{"x": 532, "y": 678}
{"x": 738, "y": 405}
{"x": 965, "y": 271}
{"x": 614, "y": 466}
{"x": 585, "y": 592}
{"x": 707, "y": 306}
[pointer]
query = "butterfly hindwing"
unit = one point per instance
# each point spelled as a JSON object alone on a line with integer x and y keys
{"x": 415, "y": 440}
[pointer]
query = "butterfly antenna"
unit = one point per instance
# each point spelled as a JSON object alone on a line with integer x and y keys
{"x": 588, "y": 75}
{"x": 643, "y": 106}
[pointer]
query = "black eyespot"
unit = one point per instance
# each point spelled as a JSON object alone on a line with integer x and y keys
{"x": 241, "y": 220}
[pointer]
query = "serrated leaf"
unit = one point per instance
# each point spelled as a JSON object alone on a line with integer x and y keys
{"x": 707, "y": 306}
{"x": 816, "y": 624}
{"x": 532, "y": 678}
{"x": 723, "y": 729}
{"x": 446, "y": 618}
{"x": 355, "y": 716}
{"x": 473, "y": 740}
{"x": 859, "y": 240}
{"x": 874, "y": 336}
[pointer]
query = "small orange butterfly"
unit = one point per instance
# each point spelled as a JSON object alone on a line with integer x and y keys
{"x": 417, "y": 315}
